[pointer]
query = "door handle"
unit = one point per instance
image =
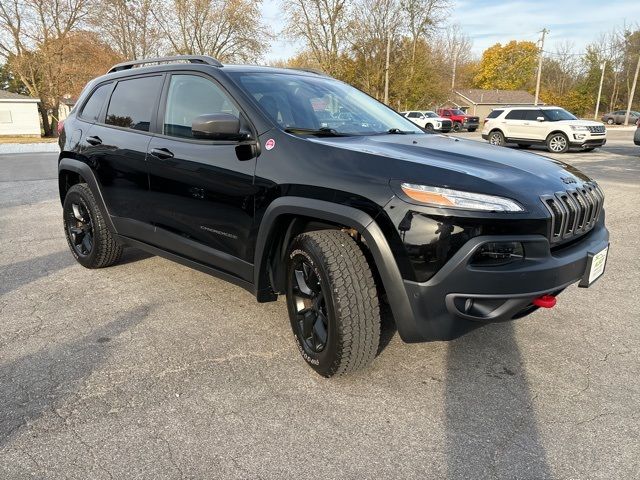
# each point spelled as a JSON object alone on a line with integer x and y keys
{"x": 94, "y": 140}
{"x": 162, "y": 153}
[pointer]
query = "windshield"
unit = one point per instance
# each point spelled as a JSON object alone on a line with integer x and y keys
{"x": 558, "y": 114}
{"x": 307, "y": 103}
{"x": 458, "y": 112}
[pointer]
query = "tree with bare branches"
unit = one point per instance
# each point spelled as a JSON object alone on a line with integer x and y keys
{"x": 226, "y": 29}
{"x": 33, "y": 42}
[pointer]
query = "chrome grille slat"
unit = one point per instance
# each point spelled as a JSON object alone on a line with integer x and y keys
{"x": 574, "y": 211}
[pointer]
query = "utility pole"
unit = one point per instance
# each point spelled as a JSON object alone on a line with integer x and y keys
{"x": 544, "y": 32}
{"x": 603, "y": 65}
{"x": 633, "y": 92}
{"x": 386, "y": 69}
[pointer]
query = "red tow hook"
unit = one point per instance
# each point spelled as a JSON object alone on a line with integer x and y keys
{"x": 545, "y": 301}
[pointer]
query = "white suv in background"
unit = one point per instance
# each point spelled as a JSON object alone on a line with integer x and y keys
{"x": 429, "y": 120}
{"x": 554, "y": 127}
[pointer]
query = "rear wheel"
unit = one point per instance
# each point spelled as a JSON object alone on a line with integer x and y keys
{"x": 610, "y": 121}
{"x": 557, "y": 143}
{"x": 332, "y": 302}
{"x": 88, "y": 236}
{"x": 496, "y": 138}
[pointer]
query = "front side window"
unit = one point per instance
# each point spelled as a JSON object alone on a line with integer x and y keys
{"x": 189, "y": 97}
{"x": 558, "y": 114}
{"x": 133, "y": 101}
{"x": 309, "y": 103}
{"x": 532, "y": 115}
{"x": 430, "y": 114}
{"x": 93, "y": 106}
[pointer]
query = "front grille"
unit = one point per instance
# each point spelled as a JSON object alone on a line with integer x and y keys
{"x": 473, "y": 120}
{"x": 573, "y": 212}
{"x": 597, "y": 129}
{"x": 446, "y": 123}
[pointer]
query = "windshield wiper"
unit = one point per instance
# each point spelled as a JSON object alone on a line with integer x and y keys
{"x": 397, "y": 131}
{"x": 319, "y": 132}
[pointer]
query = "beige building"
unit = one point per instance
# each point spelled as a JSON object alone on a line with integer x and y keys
{"x": 476, "y": 101}
{"x": 18, "y": 115}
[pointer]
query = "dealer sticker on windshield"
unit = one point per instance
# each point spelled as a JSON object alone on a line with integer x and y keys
{"x": 595, "y": 267}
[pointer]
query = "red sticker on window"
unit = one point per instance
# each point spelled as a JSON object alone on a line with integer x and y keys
{"x": 269, "y": 144}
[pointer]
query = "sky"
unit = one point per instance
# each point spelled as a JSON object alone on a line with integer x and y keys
{"x": 488, "y": 22}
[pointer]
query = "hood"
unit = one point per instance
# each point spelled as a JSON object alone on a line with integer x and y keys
{"x": 464, "y": 164}
{"x": 581, "y": 123}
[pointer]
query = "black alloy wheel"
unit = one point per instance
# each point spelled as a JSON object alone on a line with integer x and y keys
{"x": 80, "y": 228}
{"x": 310, "y": 305}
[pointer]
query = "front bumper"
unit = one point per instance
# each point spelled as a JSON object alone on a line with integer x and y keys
{"x": 462, "y": 297}
{"x": 587, "y": 140}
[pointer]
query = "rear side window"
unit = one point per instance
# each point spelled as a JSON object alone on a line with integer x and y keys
{"x": 516, "y": 115}
{"x": 189, "y": 97}
{"x": 133, "y": 101}
{"x": 495, "y": 113}
{"x": 93, "y": 106}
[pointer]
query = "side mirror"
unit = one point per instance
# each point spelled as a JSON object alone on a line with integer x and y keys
{"x": 216, "y": 126}
{"x": 540, "y": 119}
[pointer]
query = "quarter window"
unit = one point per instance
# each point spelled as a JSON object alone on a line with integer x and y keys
{"x": 133, "y": 101}
{"x": 93, "y": 106}
{"x": 189, "y": 97}
{"x": 495, "y": 113}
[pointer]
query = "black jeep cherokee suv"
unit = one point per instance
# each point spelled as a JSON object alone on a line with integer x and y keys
{"x": 291, "y": 182}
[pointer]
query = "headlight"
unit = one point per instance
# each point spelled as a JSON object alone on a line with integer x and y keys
{"x": 579, "y": 128}
{"x": 445, "y": 197}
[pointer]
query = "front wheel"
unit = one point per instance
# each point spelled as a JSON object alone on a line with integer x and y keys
{"x": 332, "y": 302}
{"x": 558, "y": 143}
{"x": 457, "y": 126}
{"x": 428, "y": 127}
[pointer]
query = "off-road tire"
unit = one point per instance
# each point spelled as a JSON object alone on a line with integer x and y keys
{"x": 105, "y": 250}
{"x": 350, "y": 296}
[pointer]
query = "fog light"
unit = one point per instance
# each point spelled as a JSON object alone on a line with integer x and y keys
{"x": 579, "y": 136}
{"x": 498, "y": 253}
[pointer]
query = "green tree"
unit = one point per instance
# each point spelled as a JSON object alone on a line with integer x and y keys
{"x": 508, "y": 67}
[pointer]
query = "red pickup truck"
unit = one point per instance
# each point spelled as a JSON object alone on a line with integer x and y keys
{"x": 461, "y": 121}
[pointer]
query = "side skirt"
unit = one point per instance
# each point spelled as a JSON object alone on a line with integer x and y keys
{"x": 187, "y": 262}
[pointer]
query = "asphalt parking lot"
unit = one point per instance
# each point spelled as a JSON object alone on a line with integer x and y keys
{"x": 151, "y": 370}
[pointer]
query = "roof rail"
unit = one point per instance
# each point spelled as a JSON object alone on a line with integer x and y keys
{"x": 205, "y": 59}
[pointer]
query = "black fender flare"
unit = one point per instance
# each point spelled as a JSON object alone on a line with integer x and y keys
{"x": 85, "y": 171}
{"x": 350, "y": 217}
